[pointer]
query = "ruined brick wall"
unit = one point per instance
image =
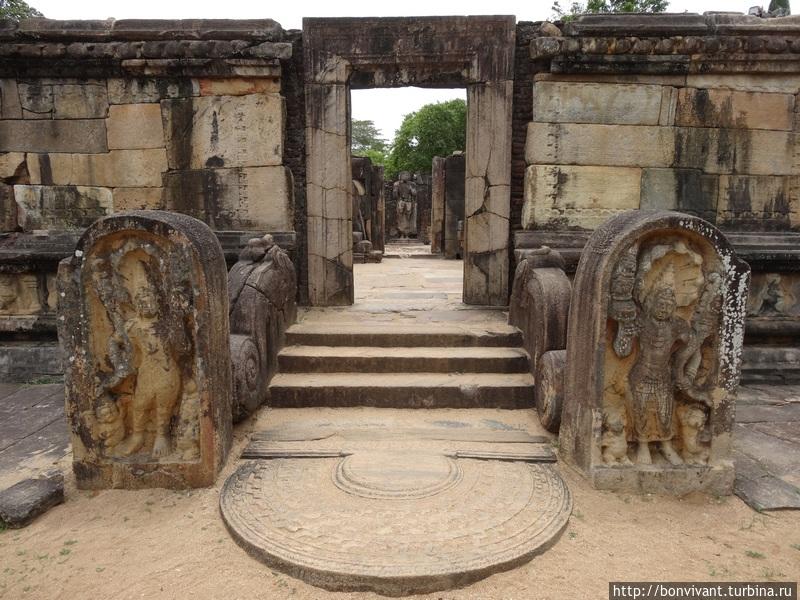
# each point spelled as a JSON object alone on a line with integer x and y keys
{"x": 101, "y": 117}
{"x": 703, "y": 125}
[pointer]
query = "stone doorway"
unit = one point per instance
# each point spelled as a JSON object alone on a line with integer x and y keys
{"x": 341, "y": 54}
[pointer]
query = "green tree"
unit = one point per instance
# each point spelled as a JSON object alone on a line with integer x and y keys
{"x": 434, "y": 130}
{"x": 776, "y": 4}
{"x": 366, "y": 140}
{"x": 609, "y": 6}
{"x": 17, "y": 10}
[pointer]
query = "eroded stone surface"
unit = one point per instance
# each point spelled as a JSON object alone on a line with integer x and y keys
{"x": 397, "y": 523}
{"x": 23, "y": 502}
{"x": 143, "y": 324}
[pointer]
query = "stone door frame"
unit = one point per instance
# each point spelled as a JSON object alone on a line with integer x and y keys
{"x": 340, "y": 54}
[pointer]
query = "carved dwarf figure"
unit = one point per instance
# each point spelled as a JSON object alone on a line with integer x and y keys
{"x": 614, "y": 441}
{"x": 404, "y": 192}
{"x": 693, "y": 419}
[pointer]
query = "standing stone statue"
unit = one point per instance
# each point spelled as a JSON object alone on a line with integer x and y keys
{"x": 404, "y": 193}
{"x": 144, "y": 328}
{"x": 654, "y": 345}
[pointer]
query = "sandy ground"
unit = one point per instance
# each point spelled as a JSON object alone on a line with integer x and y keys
{"x": 165, "y": 544}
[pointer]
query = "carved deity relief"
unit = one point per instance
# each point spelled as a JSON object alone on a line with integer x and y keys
{"x": 774, "y": 295}
{"x": 664, "y": 319}
{"x": 145, "y": 404}
{"x": 404, "y": 192}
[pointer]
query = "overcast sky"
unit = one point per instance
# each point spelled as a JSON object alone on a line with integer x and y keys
{"x": 385, "y": 107}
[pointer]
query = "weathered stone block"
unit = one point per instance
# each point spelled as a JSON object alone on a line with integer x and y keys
{"x": 654, "y": 344}
{"x": 10, "y": 107}
{"x": 238, "y": 86}
{"x": 80, "y": 101}
{"x": 257, "y": 198}
{"x": 143, "y": 323}
{"x": 748, "y": 151}
{"x": 782, "y": 83}
{"x": 684, "y": 190}
{"x": 148, "y": 198}
{"x": 60, "y": 207}
{"x": 437, "y": 204}
{"x": 606, "y": 103}
{"x": 758, "y": 203}
{"x": 262, "y": 287}
{"x": 602, "y": 145}
{"x": 728, "y": 108}
{"x": 23, "y": 502}
{"x": 562, "y": 196}
{"x": 118, "y": 168}
{"x": 36, "y": 99}
{"x": 12, "y": 164}
{"x": 135, "y": 126}
{"x": 141, "y": 89}
{"x": 455, "y": 166}
{"x": 79, "y": 135}
{"x": 8, "y": 208}
{"x": 225, "y": 131}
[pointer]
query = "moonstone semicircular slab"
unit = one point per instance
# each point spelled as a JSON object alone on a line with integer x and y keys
{"x": 414, "y": 524}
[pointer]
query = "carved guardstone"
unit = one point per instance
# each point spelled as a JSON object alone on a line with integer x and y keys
{"x": 262, "y": 287}
{"x": 654, "y": 344}
{"x": 143, "y": 324}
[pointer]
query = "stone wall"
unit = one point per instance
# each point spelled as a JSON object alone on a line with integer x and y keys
{"x": 103, "y": 117}
{"x": 627, "y": 114}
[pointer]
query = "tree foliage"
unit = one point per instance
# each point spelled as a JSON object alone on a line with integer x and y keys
{"x": 775, "y": 5}
{"x": 435, "y": 129}
{"x": 365, "y": 136}
{"x": 16, "y": 10}
{"x": 609, "y": 6}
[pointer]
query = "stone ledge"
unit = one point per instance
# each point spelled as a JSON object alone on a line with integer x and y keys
{"x": 142, "y": 29}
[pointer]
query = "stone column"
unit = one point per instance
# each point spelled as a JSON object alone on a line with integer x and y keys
{"x": 454, "y": 170}
{"x": 487, "y": 193}
{"x": 437, "y": 205}
{"x": 328, "y": 173}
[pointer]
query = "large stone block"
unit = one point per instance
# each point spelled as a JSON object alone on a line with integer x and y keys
{"x": 781, "y": 83}
{"x": 60, "y": 207}
{"x": 605, "y": 103}
{"x": 758, "y": 203}
{"x": 685, "y": 190}
{"x": 46, "y": 99}
{"x": 454, "y": 173}
{"x": 225, "y": 131}
{"x": 654, "y": 343}
{"x": 10, "y": 108}
{"x": 143, "y": 320}
{"x": 602, "y": 145}
{"x": 140, "y": 90}
{"x": 118, "y": 168}
{"x": 728, "y": 108}
{"x": 8, "y": 208}
{"x": 239, "y": 86}
{"x": 79, "y": 135}
{"x": 258, "y": 198}
{"x": 559, "y": 197}
{"x": 148, "y": 198}
{"x": 437, "y": 204}
{"x": 12, "y": 164}
{"x": 135, "y": 126}
{"x": 747, "y": 151}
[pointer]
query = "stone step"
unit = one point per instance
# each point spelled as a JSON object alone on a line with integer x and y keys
{"x": 403, "y": 390}
{"x": 387, "y": 335}
{"x": 371, "y": 359}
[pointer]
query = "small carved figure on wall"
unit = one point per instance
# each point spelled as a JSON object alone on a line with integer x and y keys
{"x": 614, "y": 442}
{"x": 693, "y": 418}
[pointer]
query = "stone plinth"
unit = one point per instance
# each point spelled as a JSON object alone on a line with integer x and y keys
{"x": 143, "y": 323}
{"x": 654, "y": 343}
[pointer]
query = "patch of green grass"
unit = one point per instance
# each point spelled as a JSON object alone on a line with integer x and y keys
{"x": 70, "y": 542}
{"x": 795, "y": 546}
{"x": 100, "y": 569}
{"x": 44, "y": 380}
{"x": 754, "y": 554}
{"x": 772, "y": 574}
{"x": 578, "y": 515}
{"x": 572, "y": 535}
{"x": 65, "y": 551}
{"x": 3, "y": 526}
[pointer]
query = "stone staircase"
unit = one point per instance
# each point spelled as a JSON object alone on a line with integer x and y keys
{"x": 471, "y": 364}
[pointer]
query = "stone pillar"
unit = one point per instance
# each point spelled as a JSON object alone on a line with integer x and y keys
{"x": 379, "y": 225}
{"x": 455, "y": 166}
{"x": 330, "y": 232}
{"x": 487, "y": 193}
{"x": 143, "y": 324}
{"x": 654, "y": 344}
{"x": 437, "y": 205}
{"x": 423, "y": 207}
